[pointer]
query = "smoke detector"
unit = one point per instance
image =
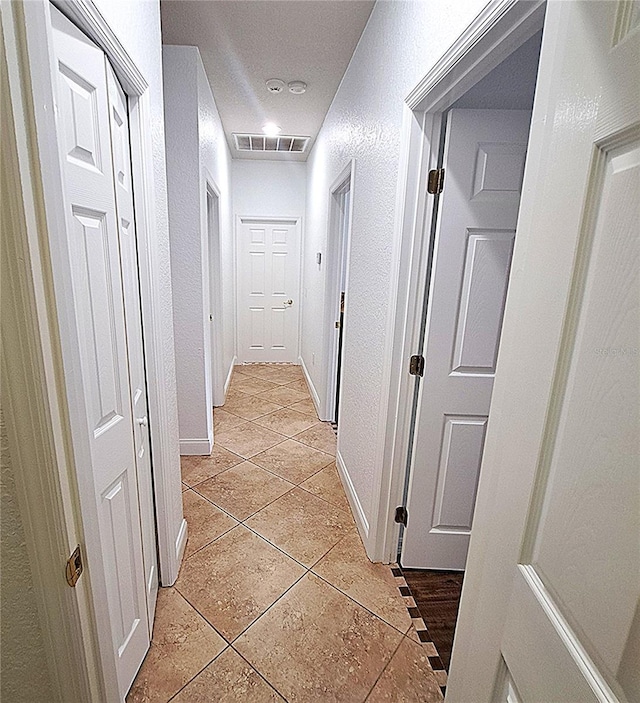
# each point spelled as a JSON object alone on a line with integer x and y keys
{"x": 297, "y": 87}
{"x": 275, "y": 85}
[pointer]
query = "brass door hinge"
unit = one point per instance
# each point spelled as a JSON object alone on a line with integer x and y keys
{"x": 435, "y": 182}
{"x": 416, "y": 365}
{"x": 401, "y": 516}
{"x": 74, "y": 567}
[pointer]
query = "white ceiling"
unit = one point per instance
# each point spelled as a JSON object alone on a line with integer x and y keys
{"x": 243, "y": 43}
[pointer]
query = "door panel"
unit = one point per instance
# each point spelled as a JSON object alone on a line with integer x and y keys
{"x": 92, "y": 240}
{"x": 119, "y": 121}
{"x": 484, "y": 161}
{"x": 268, "y": 277}
{"x": 553, "y": 586}
{"x": 583, "y": 561}
{"x": 484, "y": 289}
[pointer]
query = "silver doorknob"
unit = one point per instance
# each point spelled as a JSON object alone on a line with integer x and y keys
{"x": 288, "y": 303}
{"x": 142, "y": 421}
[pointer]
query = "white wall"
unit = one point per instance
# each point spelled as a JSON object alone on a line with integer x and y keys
{"x": 269, "y": 188}
{"x": 215, "y": 163}
{"x": 195, "y": 147}
{"x": 400, "y": 44}
{"x": 25, "y": 677}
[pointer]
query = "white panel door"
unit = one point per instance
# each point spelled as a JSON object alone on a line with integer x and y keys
{"x": 552, "y": 599}
{"x": 268, "y": 283}
{"x": 121, "y": 153}
{"x": 92, "y": 240}
{"x": 484, "y": 159}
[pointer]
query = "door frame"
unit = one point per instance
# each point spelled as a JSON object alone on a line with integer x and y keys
{"x": 500, "y": 28}
{"x": 240, "y": 219}
{"x": 214, "y": 293}
{"x": 338, "y": 247}
{"x": 28, "y": 29}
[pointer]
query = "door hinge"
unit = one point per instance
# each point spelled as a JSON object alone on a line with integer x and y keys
{"x": 416, "y": 365}
{"x": 74, "y": 567}
{"x": 435, "y": 182}
{"x": 338, "y": 325}
{"x": 401, "y": 515}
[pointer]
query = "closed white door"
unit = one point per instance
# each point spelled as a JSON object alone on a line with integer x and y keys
{"x": 101, "y": 383}
{"x": 484, "y": 160}
{"x": 268, "y": 278}
{"x": 558, "y": 520}
{"x": 121, "y": 153}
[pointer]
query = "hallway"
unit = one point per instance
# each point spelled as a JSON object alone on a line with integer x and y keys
{"x": 276, "y": 599}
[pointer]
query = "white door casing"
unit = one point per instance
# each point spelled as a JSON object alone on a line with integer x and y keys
{"x": 121, "y": 155}
{"x": 550, "y": 604}
{"x": 102, "y": 386}
{"x": 216, "y": 323}
{"x": 484, "y": 160}
{"x": 268, "y": 278}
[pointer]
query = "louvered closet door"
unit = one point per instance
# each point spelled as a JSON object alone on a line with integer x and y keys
{"x": 268, "y": 280}
{"x": 102, "y": 384}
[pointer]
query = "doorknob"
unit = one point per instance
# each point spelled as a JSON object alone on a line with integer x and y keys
{"x": 288, "y": 303}
{"x": 142, "y": 421}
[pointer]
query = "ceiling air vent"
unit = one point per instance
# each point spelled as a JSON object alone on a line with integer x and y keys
{"x": 260, "y": 143}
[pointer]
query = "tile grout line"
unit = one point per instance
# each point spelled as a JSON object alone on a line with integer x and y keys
{"x": 260, "y": 674}
{"x": 384, "y": 668}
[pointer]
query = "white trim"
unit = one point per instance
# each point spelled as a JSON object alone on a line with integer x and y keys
{"x": 331, "y": 284}
{"x": 312, "y": 389}
{"x": 499, "y": 29}
{"x": 297, "y": 220}
{"x": 352, "y": 496}
{"x": 160, "y": 377}
{"x": 181, "y": 540}
{"x": 33, "y": 23}
{"x": 196, "y": 447}
{"x": 86, "y": 16}
{"x": 227, "y": 382}
{"x": 35, "y": 428}
{"x": 214, "y": 290}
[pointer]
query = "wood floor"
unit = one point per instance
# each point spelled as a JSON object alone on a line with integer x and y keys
{"x": 437, "y": 595}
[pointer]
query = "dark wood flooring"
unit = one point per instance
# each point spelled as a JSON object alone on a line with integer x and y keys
{"x": 437, "y": 595}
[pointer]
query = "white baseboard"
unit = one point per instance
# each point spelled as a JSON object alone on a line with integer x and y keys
{"x": 181, "y": 543}
{"x": 312, "y": 389}
{"x": 196, "y": 447}
{"x": 356, "y": 507}
{"x": 229, "y": 375}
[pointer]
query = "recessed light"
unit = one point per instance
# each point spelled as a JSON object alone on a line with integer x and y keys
{"x": 275, "y": 85}
{"x": 297, "y": 87}
{"x": 271, "y": 129}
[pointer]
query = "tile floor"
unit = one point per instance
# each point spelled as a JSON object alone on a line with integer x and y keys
{"x": 276, "y": 599}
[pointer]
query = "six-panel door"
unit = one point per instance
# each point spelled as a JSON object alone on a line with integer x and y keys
{"x": 268, "y": 283}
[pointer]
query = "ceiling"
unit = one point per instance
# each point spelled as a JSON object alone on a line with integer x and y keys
{"x": 244, "y": 43}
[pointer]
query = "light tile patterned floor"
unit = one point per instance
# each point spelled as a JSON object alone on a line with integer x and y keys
{"x": 276, "y": 599}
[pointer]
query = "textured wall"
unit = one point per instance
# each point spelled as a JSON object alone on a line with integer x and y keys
{"x": 183, "y": 182}
{"x": 215, "y": 159}
{"x": 269, "y": 188}
{"x": 399, "y": 45}
{"x": 23, "y": 668}
{"x": 195, "y": 146}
